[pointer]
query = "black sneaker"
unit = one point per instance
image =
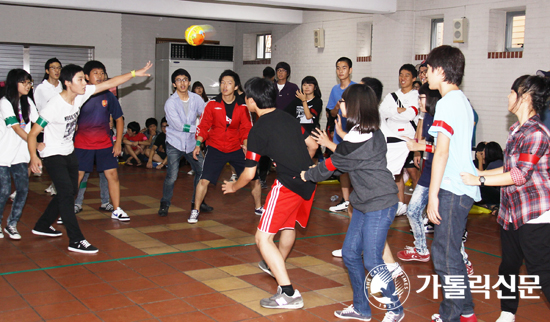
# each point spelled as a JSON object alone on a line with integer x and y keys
{"x": 263, "y": 184}
{"x": 205, "y": 208}
{"x": 163, "y": 210}
{"x": 49, "y": 232}
{"x": 83, "y": 246}
{"x": 12, "y": 232}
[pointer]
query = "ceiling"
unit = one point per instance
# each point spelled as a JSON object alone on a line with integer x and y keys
{"x": 267, "y": 11}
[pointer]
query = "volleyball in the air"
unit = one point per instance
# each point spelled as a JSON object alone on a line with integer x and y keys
{"x": 195, "y": 35}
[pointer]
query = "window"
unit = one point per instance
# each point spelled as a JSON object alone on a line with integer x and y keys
{"x": 515, "y": 30}
{"x": 263, "y": 46}
{"x": 437, "y": 33}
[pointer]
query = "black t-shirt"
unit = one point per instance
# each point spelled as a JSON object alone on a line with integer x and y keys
{"x": 229, "y": 110}
{"x": 279, "y": 137}
{"x": 296, "y": 109}
{"x": 160, "y": 142}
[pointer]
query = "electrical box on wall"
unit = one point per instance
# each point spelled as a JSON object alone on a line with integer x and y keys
{"x": 460, "y": 30}
{"x": 319, "y": 38}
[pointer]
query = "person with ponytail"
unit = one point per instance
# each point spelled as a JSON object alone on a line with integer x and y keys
{"x": 17, "y": 110}
{"x": 525, "y": 194}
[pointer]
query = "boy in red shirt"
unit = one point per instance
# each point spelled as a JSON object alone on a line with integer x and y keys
{"x": 135, "y": 143}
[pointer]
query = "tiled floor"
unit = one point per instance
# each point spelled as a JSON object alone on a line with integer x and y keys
{"x": 164, "y": 269}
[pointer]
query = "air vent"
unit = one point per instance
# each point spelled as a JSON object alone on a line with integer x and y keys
{"x": 216, "y": 53}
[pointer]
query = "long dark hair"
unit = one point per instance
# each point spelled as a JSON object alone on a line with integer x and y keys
{"x": 361, "y": 108}
{"x": 47, "y": 66}
{"x": 311, "y": 80}
{"x": 432, "y": 96}
{"x": 16, "y": 76}
{"x": 199, "y": 84}
{"x": 537, "y": 87}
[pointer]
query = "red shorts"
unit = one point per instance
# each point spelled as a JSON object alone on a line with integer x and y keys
{"x": 283, "y": 208}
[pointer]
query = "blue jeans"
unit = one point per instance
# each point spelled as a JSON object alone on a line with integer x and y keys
{"x": 21, "y": 179}
{"x": 366, "y": 236}
{"x": 174, "y": 156}
{"x": 103, "y": 189}
{"x": 446, "y": 255}
{"x": 418, "y": 202}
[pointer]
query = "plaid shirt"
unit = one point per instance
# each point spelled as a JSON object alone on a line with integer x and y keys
{"x": 527, "y": 158}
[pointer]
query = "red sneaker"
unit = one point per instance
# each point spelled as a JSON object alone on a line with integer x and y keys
{"x": 411, "y": 254}
{"x": 471, "y": 318}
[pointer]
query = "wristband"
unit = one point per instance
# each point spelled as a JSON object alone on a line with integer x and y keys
{"x": 429, "y": 148}
{"x": 186, "y": 128}
{"x": 133, "y": 73}
{"x": 198, "y": 143}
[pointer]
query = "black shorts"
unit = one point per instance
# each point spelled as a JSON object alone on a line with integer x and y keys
{"x": 409, "y": 163}
{"x": 104, "y": 159}
{"x": 162, "y": 155}
{"x": 215, "y": 160}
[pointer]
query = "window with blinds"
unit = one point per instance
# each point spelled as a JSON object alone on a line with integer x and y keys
{"x": 33, "y": 57}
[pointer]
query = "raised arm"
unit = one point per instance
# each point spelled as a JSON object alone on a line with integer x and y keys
{"x": 119, "y": 80}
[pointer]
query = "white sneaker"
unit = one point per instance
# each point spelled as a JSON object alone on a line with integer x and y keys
{"x": 233, "y": 177}
{"x": 343, "y": 206}
{"x": 194, "y": 217}
{"x": 337, "y": 253}
{"x": 191, "y": 173}
{"x": 395, "y": 270}
{"x": 401, "y": 209}
{"x": 392, "y": 317}
{"x": 51, "y": 190}
{"x": 12, "y": 196}
{"x": 506, "y": 317}
{"x": 120, "y": 215}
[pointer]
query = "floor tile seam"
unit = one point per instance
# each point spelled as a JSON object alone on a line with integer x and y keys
{"x": 195, "y": 250}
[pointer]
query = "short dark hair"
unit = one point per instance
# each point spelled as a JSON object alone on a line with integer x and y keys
{"x": 537, "y": 87}
{"x": 151, "y": 121}
{"x": 93, "y": 64}
{"x": 180, "y": 72}
{"x": 361, "y": 108}
{"x": 235, "y": 76}
{"x": 432, "y": 97}
{"x": 451, "y": 60}
{"x": 417, "y": 82}
{"x": 375, "y": 84}
{"x": 47, "y": 66}
{"x": 409, "y": 68}
{"x": 67, "y": 74}
{"x": 262, "y": 91}
{"x": 313, "y": 81}
{"x": 480, "y": 146}
{"x": 346, "y": 60}
{"x": 493, "y": 152}
{"x": 134, "y": 126}
{"x": 285, "y": 66}
{"x": 269, "y": 72}
{"x": 163, "y": 120}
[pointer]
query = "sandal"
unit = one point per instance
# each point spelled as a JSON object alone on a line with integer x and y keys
{"x": 129, "y": 163}
{"x": 494, "y": 210}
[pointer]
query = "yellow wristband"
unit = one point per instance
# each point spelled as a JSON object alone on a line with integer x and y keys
{"x": 133, "y": 73}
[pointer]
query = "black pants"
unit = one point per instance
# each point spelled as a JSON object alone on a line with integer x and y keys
{"x": 263, "y": 166}
{"x": 64, "y": 173}
{"x": 531, "y": 242}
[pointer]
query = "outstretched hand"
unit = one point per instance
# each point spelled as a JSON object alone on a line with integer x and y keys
{"x": 228, "y": 187}
{"x": 142, "y": 72}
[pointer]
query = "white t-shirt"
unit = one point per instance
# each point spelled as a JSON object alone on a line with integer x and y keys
{"x": 60, "y": 126}
{"x": 399, "y": 123}
{"x": 44, "y": 92}
{"x": 13, "y": 148}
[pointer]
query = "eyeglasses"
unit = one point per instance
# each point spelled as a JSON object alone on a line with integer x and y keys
{"x": 55, "y": 68}
{"x": 423, "y": 72}
{"x": 26, "y": 83}
{"x": 181, "y": 80}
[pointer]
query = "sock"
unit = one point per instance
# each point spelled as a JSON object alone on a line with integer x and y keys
{"x": 391, "y": 266}
{"x": 467, "y": 315}
{"x": 288, "y": 289}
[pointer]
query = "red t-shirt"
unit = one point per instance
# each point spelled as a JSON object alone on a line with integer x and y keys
{"x": 136, "y": 138}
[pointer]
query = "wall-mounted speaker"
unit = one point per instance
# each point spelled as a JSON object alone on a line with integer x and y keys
{"x": 319, "y": 38}
{"x": 460, "y": 30}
